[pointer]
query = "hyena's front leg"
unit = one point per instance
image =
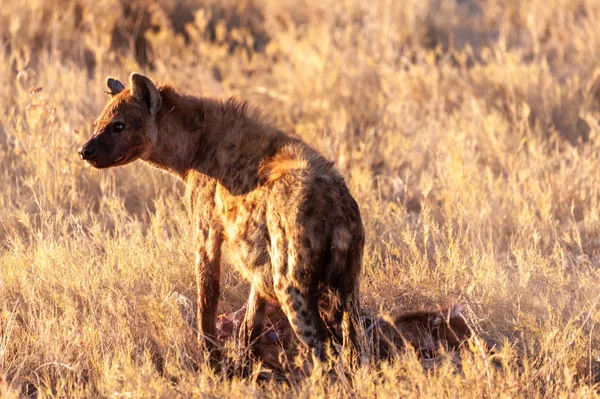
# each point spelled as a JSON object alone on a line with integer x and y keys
{"x": 208, "y": 275}
{"x": 251, "y": 329}
{"x": 254, "y": 319}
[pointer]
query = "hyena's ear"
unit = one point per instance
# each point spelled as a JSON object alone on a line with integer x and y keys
{"x": 114, "y": 86}
{"x": 145, "y": 91}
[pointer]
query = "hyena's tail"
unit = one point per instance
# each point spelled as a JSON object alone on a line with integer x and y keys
{"x": 346, "y": 263}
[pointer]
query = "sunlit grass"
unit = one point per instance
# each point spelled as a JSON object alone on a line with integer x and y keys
{"x": 467, "y": 131}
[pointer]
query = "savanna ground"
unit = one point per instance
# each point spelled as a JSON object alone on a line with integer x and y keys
{"x": 467, "y": 131}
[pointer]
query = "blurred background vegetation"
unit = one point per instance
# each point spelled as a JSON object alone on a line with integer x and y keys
{"x": 466, "y": 129}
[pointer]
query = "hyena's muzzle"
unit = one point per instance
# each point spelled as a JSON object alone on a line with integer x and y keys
{"x": 98, "y": 153}
{"x": 104, "y": 150}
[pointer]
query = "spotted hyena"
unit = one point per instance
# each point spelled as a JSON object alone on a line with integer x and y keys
{"x": 285, "y": 214}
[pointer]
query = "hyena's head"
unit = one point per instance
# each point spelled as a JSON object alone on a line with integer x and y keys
{"x": 126, "y": 130}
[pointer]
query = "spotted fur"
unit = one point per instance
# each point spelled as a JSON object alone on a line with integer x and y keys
{"x": 283, "y": 212}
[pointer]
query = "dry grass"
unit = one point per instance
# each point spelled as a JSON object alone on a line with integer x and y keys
{"x": 467, "y": 130}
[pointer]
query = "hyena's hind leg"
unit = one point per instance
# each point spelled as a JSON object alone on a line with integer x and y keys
{"x": 297, "y": 258}
{"x": 302, "y": 311}
{"x": 344, "y": 281}
{"x": 344, "y": 311}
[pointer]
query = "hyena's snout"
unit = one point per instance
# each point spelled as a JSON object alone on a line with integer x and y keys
{"x": 88, "y": 151}
{"x": 103, "y": 151}
{"x": 96, "y": 153}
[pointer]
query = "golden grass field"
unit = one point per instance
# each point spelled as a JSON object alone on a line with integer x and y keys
{"x": 468, "y": 132}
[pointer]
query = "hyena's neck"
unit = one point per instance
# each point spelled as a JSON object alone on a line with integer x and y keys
{"x": 217, "y": 139}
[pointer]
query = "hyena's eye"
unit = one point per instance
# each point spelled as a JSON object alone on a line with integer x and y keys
{"x": 118, "y": 127}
